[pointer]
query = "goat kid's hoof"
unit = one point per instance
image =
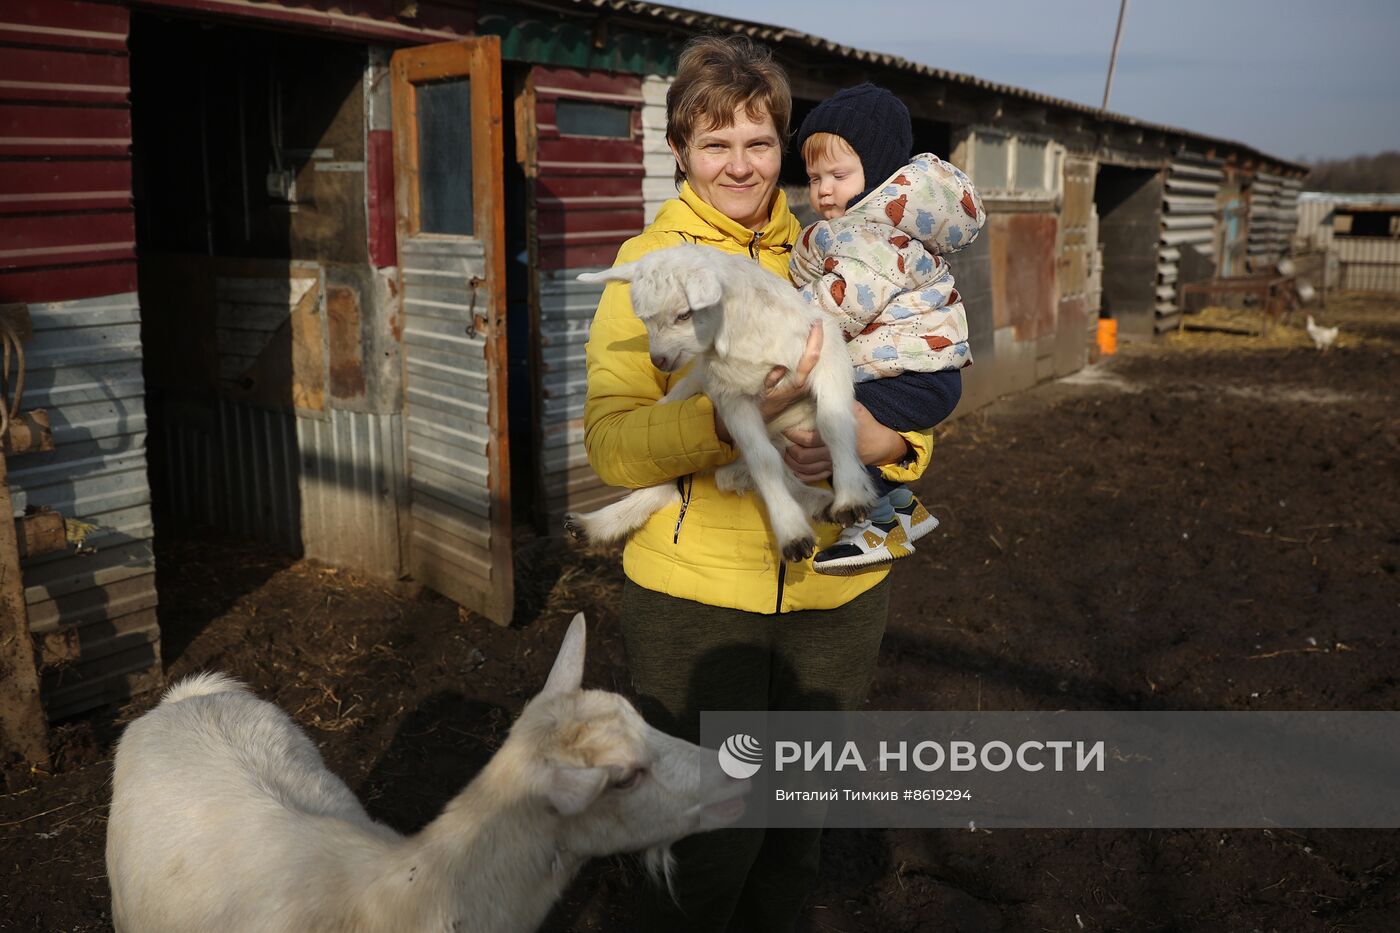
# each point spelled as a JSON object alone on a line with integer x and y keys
{"x": 799, "y": 549}
{"x": 575, "y": 528}
{"x": 850, "y": 514}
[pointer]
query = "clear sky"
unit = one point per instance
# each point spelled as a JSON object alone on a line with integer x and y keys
{"x": 1291, "y": 77}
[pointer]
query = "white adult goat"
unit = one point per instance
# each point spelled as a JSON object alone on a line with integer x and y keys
{"x": 224, "y": 817}
{"x": 737, "y": 322}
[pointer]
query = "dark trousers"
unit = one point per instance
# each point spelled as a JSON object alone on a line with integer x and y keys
{"x": 685, "y": 657}
{"x": 909, "y": 402}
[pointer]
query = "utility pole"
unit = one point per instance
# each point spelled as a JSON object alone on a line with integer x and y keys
{"x": 1113, "y": 59}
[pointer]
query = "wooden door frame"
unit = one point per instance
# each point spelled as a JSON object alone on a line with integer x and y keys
{"x": 479, "y": 60}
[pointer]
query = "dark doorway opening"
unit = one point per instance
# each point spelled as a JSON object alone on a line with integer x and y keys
{"x": 520, "y": 395}
{"x": 1129, "y": 202}
{"x": 238, "y": 228}
{"x": 237, "y": 220}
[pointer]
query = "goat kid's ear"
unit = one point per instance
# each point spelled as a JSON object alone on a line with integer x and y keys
{"x": 721, "y": 343}
{"x": 572, "y": 790}
{"x": 702, "y": 289}
{"x": 566, "y": 675}
{"x": 623, "y": 273}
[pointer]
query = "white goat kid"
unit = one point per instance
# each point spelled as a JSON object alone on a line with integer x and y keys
{"x": 224, "y": 817}
{"x": 737, "y": 322}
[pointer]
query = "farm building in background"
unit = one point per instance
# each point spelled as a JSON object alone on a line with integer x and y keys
{"x": 1359, "y": 234}
{"x": 305, "y": 271}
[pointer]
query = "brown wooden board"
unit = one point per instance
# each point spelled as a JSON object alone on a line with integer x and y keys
{"x": 29, "y": 433}
{"x": 41, "y": 532}
{"x": 24, "y": 737}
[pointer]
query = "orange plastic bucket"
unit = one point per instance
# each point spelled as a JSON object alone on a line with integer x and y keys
{"x": 1108, "y": 336}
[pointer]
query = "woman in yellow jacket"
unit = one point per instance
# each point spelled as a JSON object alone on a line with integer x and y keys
{"x": 712, "y": 617}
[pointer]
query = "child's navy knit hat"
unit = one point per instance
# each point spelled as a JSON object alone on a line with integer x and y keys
{"x": 873, "y": 121}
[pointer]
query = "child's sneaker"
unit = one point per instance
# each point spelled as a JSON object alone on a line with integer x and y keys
{"x": 916, "y": 520}
{"x": 864, "y": 545}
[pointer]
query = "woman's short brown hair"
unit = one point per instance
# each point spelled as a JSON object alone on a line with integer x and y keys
{"x": 716, "y": 75}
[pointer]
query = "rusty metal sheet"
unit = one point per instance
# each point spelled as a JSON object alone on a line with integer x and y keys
{"x": 346, "y": 363}
{"x": 1023, "y": 272}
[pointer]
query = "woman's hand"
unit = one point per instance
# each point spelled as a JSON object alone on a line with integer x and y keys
{"x": 808, "y": 457}
{"x": 777, "y": 394}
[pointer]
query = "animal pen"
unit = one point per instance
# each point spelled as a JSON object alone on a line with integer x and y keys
{"x": 305, "y": 272}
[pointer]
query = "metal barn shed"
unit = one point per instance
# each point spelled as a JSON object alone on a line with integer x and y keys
{"x": 304, "y": 271}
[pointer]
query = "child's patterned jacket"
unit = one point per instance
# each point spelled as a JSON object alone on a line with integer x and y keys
{"x": 879, "y": 270}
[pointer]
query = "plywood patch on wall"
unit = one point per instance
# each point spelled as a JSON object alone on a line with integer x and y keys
{"x": 347, "y": 373}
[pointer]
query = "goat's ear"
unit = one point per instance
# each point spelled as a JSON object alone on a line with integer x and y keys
{"x": 702, "y": 288}
{"x": 623, "y": 273}
{"x": 721, "y": 343}
{"x": 571, "y": 790}
{"x": 566, "y": 675}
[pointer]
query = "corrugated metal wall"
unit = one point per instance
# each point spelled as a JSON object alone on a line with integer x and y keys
{"x": 84, "y": 367}
{"x": 1368, "y": 264}
{"x": 323, "y": 487}
{"x": 1362, "y": 263}
{"x": 1273, "y": 217}
{"x": 447, "y": 417}
{"x": 659, "y": 183}
{"x": 1314, "y": 221}
{"x": 236, "y": 467}
{"x": 1188, "y": 244}
{"x": 1315, "y": 210}
{"x": 350, "y": 464}
{"x": 67, "y": 247}
{"x": 589, "y": 198}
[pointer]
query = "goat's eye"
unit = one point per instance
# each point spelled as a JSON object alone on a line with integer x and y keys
{"x": 683, "y": 316}
{"x": 630, "y": 780}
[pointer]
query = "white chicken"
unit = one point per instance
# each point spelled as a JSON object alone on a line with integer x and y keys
{"x": 1324, "y": 337}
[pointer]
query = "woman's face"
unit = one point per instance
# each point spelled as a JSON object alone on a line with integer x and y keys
{"x": 735, "y": 169}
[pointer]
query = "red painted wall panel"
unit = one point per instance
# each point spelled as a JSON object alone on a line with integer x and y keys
{"x": 588, "y": 194}
{"x": 65, "y": 186}
{"x": 70, "y": 24}
{"x": 621, "y": 225}
{"x": 379, "y": 191}
{"x": 54, "y": 239}
{"x": 432, "y": 20}
{"x": 49, "y": 74}
{"x": 48, "y": 129}
{"x": 68, "y": 229}
{"x": 558, "y": 186}
{"x": 554, "y": 82}
{"x": 64, "y": 283}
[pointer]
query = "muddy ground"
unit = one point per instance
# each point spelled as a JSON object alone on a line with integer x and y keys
{"x": 1209, "y": 522}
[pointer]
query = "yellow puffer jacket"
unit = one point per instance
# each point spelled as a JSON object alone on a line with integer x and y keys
{"x": 716, "y": 547}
